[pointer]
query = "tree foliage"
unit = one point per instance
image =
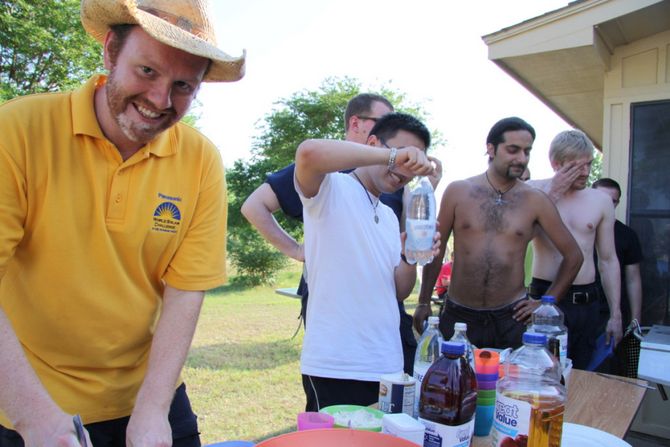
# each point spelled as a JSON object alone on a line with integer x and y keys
{"x": 305, "y": 114}
{"x": 43, "y": 47}
{"x": 596, "y": 168}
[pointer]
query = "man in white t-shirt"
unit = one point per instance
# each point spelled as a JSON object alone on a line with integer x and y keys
{"x": 354, "y": 258}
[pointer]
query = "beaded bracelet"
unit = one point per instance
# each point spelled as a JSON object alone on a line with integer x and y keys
{"x": 394, "y": 152}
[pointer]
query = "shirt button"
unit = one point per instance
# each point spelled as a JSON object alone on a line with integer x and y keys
{"x": 118, "y": 198}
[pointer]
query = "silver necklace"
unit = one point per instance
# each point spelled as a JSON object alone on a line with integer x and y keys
{"x": 499, "y": 200}
{"x": 374, "y": 205}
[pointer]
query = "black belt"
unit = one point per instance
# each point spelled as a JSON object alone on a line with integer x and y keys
{"x": 572, "y": 296}
{"x": 581, "y": 297}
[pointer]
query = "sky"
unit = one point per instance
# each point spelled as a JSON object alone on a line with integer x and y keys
{"x": 429, "y": 49}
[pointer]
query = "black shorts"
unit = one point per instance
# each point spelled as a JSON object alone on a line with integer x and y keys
{"x": 323, "y": 392}
{"x": 581, "y": 307}
{"x": 487, "y": 328}
{"x": 112, "y": 433}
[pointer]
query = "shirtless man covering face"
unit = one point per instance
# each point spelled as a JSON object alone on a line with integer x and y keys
{"x": 493, "y": 216}
{"x": 589, "y": 215}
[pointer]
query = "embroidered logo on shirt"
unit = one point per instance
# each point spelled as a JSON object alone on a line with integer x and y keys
{"x": 167, "y": 218}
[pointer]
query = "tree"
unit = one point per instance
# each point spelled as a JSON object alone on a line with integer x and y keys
{"x": 43, "y": 47}
{"x": 596, "y": 168}
{"x": 305, "y": 114}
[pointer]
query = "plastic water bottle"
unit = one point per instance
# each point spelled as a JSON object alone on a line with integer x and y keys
{"x": 460, "y": 335}
{"x": 530, "y": 399}
{"x": 427, "y": 352}
{"x": 448, "y": 399}
{"x": 548, "y": 319}
{"x": 420, "y": 222}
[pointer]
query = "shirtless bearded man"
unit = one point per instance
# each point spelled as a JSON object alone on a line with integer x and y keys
{"x": 589, "y": 215}
{"x": 493, "y": 216}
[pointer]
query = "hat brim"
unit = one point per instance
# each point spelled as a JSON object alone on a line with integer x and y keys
{"x": 97, "y": 16}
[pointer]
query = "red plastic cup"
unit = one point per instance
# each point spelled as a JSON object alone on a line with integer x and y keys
{"x": 310, "y": 420}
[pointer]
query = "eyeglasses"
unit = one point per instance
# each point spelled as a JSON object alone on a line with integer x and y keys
{"x": 371, "y": 118}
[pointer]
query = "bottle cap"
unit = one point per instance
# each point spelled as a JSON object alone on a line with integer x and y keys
{"x": 433, "y": 319}
{"x": 534, "y": 338}
{"x": 460, "y": 326}
{"x": 453, "y": 348}
{"x": 548, "y": 299}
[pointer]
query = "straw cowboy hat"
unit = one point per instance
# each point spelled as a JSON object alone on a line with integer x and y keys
{"x": 182, "y": 24}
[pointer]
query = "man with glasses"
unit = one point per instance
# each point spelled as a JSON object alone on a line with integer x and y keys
{"x": 354, "y": 262}
{"x": 278, "y": 192}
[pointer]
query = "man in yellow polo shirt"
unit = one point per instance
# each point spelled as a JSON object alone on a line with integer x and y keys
{"x": 113, "y": 223}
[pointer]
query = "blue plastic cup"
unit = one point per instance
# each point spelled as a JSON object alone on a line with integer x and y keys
{"x": 483, "y": 419}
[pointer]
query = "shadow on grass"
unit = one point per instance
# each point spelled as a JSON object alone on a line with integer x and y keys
{"x": 241, "y": 356}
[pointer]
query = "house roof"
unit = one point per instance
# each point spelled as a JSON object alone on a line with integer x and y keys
{"x": 563, "y": 55}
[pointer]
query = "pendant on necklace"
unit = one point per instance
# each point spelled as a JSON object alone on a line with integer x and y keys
{"x": 376, "y": 219}
{"x": 499, "y": 200}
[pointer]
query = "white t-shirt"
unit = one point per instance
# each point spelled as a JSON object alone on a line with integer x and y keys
{"x": 352, "y": 312}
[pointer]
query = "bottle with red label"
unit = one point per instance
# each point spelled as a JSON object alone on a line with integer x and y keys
{"x": 448, "y": 399}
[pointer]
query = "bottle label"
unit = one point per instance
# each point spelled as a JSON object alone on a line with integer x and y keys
{"x": 439, "y": 435}
{"x": 420, "y": 234}
{"x": 511, "y": 420}
{"x": 563, "y": 347}
{"x": 396, "y": 394}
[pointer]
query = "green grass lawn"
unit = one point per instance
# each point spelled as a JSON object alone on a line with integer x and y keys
{"x": 243, "y": 370}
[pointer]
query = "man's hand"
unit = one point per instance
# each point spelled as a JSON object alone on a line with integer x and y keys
{"x": 53, "y": 431}
{"x": 524, "y": 310}
{"x": 411, "y": 161}
{"x": 421, "y": 314}
{"x": 436, "y": 176}
{"x": 563, "y": 180}
{"x": 148, "y": 429}
{"x": 613, "y": 330}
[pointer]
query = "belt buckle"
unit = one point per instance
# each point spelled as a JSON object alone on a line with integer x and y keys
{"x": 580, "y": 298}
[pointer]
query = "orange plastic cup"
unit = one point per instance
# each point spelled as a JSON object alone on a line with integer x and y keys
{"x": 486, "y": 361}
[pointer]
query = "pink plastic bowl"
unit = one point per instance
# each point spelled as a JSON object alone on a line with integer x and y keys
{"x": 311, "y": 420}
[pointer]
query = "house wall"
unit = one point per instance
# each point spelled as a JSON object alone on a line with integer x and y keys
{"x": 639, "y": 71}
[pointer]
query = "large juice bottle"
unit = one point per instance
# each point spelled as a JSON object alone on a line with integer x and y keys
{"x": 530, "y": 399}
{"x": 448, "y": 399}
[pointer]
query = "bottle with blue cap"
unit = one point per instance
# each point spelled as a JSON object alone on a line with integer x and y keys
{"x": 530, "y": 399}
{"x": 549, "y": 319}
{"x": 448, "y": 399}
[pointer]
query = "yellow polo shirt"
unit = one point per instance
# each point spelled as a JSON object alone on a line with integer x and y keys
{"x": 87, "y": 240}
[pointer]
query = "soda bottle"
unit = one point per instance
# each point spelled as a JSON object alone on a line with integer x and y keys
{"x": 460, "y": 335}
{"x": 427, "y": 352}
{"x": 420, "y": 222}
{"x": 530, "y": 400}
{"x": 548, "y": 319}
{"x": 448, "y": 399}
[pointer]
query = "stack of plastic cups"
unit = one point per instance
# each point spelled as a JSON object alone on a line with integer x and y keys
{"x": 486, "y": 369}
